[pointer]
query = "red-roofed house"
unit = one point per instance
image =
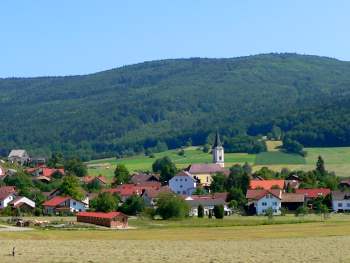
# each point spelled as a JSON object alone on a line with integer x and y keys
{"x": 127, "y": 190}
{"x": 64, "y": 204}
{"x": 150, "y": 196}
{"x": 313, "y": 193}
{"x": 266, "y": 184}
{"x": 111, "y": 219}
{"x": 45, "y": 171}
{"x": 265, "y": 199}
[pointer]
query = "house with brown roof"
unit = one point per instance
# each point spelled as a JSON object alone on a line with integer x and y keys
{"x": 64, "y": 204}
{"x": 313, "y": 193}
{"x": 111, "y": 219}
{"x": 265, "y": 199}
{"x": 150, "y": 196}
{"x": 101, "y": 180}
{"x": 140, "y": 178}
{"x": 292, "y": 201}
{"x": 23, "y": 203}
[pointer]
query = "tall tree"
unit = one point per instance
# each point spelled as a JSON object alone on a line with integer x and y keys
{"x": 165, "y": 167}
{"x": 70, "y": 186}
{"x": 320, "y": 166}
{"x": 121, "y": 174}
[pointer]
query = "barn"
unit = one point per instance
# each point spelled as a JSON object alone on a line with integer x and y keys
{"x": 111, "y": 219}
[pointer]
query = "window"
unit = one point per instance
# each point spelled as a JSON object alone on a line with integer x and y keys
{"x": 183, "y": 192}
{"x": 180, "y": 180}
{"x": 275, "y": 210}
{"x": 264, "y": 204}
{"x": 207, "y": 179}
{"x": 264, "y": 211}
{"x": 180, "y": 186}
{"x": 274, "y": 203}
{"x": 348, "y": 204}
{"x": 176, "y": 180}
{"x": 220, "y": 158}
{"x": 185, "y": 180}
{"x": 178, "y": 192}
{"x": 340, "y": 205}
{"x": 74, "y": 203}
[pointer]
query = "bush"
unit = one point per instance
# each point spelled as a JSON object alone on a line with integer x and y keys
{"x": 105, "y": 202}
{"x": 171, "y": 206}
{"x": 200, "y": 211}
{"x": 148, "y": 212}
{"x": 219, "y": 211}
{"x": 133, "y": 205}
{"x": 269, "y": 213}
{"x": 301, "y": 211}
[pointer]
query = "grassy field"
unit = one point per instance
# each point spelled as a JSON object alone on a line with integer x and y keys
{"x": 315, "y": 241}
{"x": 337, "y": 159}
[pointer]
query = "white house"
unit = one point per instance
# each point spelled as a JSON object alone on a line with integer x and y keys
{"x": 208, "y": 202}
{"x": 340, "y": 201}
{"x": 265, "y": 199}
{"x": 19, "y": 156}
{"x": 7, "y": 194}
{"x": 64, "y": 204}
{"x": 183, "y": 183}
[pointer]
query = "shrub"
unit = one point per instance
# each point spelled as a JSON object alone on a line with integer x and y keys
{"x": 133, "y": 205}
{"x": 171, "y": 206}
{"x": 301, "y": 211}
{"x": 219, "y": 211}
{"x": 269, "y": 213}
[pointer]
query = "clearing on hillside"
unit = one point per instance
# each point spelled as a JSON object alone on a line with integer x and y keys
{"x": 273, "y": 146}
{"x": 266, "y": 158}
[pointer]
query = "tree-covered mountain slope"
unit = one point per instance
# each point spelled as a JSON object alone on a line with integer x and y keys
{"x": 171, "y": 101}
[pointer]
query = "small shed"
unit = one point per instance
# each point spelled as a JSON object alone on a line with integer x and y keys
{"x": 111, "y": 219}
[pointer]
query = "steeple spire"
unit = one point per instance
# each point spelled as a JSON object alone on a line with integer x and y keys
{"x": 217, "y": 142}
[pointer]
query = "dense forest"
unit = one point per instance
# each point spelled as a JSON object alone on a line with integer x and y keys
{"x": 170, "y": 103}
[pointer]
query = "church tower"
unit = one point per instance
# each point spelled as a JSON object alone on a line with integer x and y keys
{"x": 218, "y": 151}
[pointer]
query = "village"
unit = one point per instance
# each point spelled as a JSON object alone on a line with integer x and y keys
{"x": 200, "y": 190}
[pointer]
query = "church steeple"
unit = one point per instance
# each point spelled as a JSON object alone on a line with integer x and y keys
{"x": 218, "y": 151}
{"x": 217, "y": 142}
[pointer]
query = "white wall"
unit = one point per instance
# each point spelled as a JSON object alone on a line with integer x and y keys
{"x": 341, "y": 205}
{"x": 266, "y": 202}
{"x": 4, "y": 203}
{"x": 184, "y": 185}
{"x": 76, "y": 206}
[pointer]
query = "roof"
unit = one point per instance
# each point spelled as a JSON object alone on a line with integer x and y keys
{"x": 217, "y": 142}
{"x": 257, "y": 194}
{"x": 43, "y": 178}
{"x": 153, "y": 193}
{"x": 130, "y": 189}
{"x": 5, "y": 191}
{"x": 345, "y": 181}
{"x": 338, "y": 195}
{"x": 206, "y": 168}
{"x": 206, "y": 202}
{"x": 292, "y": 198}
{"x": 222, "y": 196}
{"x": 19, "y": 200}
{"x": 313, "y": 193}
{"x": 109, "y": 215}
{"x": 17, "y": 153}
{"x": 87, "y": 179}
{"x": 266, "y": 184}
{"x": 56, "y": 201}
{"x": 143, "y": 177}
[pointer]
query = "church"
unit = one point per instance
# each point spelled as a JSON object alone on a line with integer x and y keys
{"x": 204, "y": 172}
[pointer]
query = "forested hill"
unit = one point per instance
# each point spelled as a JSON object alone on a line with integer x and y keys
{"x": 131, "y": 108}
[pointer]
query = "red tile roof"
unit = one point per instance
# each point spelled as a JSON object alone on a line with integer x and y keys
{"x": 266, "y": 184}
{"x": 109, "y": 215}
{"x": 313, "y": 193}
{"x": 56, "y": 201}
{"x": 130, "y": 189}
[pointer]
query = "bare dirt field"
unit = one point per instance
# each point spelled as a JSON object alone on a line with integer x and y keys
{"x": 304, "y": 242}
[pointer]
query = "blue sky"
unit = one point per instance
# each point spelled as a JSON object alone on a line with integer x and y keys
{"x": 65, "y": 37}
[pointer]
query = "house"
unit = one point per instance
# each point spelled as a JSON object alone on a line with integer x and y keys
{"x": 19, "y": 156}
{"x": 292, "y": 181}
{"x": 292, "y": 201}
{"x": 183, "y": 183}
{"x": 267, "y": 184}
{"x": 64, "y": 204}
{"x": 23, "y": 203}
{"x": 208, "y": 202}
{"x": 7, "y": 194}
{"x": 311, "y": 194}
{"x": 140, "y": 178}
{"x": 101, "y": 180}
{"x": 203, "y": 172}
{"x": 127, "y": 190}
{"x": 150, "y": 196}
{"x": 45, "y": 171}
{"x": 111, "y": 219}
{"x": 38, "y": 161}
{"x": 263, "y": 199}
{"x": 344, "y": 183}
{"x": 340, "y": 201}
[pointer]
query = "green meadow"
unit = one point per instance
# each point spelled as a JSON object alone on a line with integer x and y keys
{"x": 337, "y": 159}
